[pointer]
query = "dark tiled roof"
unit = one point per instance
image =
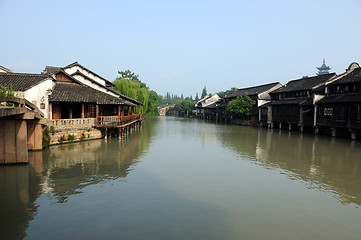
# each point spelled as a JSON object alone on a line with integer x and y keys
{"x": 52, "y": 70}
{"x": 79, "y": 93}
{"x": 22, "y": 81}
{"x": 341, "y": 98}
{"x": 288, "y": 101}
{"x": 352, "y": 77}
{"x": 77, "y": 64}
{"x": 107, "y": 88}
{"x": 305, "y": 83}
{"x": 252, "y": 90}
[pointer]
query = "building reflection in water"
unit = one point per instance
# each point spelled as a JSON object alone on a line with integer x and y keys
{"x": 321, "y": 162}
{"x": 61, "y": 171}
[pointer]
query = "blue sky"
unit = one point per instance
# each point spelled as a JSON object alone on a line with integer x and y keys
{"x": 181, "y": 46}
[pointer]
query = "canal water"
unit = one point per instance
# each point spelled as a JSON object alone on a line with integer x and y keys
{"x": 187, "y": 179}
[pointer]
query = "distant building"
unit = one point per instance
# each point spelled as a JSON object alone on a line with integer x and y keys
{"x": 259, "y": 93}
{"x": 206, "y": 106}
{"x": 323, "y": 69}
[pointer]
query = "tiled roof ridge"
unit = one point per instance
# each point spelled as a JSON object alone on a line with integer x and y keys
{"x": 263, "y": 85}
{"x": 345, "y": 74}
{"x": 27, "y": 74}
{"x": 310, "y": 78}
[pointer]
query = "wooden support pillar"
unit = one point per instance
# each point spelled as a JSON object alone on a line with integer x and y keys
{"x": 353, "y": 134}
{"x": 139, "y": 108}
{"x": 123, "y": 111}
{"x": 96, "y": 114}
{"x": 119, "y": 133}
{"x": 280, "y": 125}
{"x": 49, "y": 111}
{"x": 301, "y": 128}
{"x": 317, "y": 130}
{"x": 333, "y": 132}
{"x": 119, "y": 112}
{"x": 82, "y": 110}
{"x": 70, "y": 112}
{"x": 289, "y": 126}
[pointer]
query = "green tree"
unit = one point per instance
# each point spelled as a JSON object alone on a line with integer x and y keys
{"x": 242, "y": 107}
{"x": 204, "y": 92}
{"x": 129, "y": 85}
{"x": 153, "y": 103}
{"x": 222, "y": 94}
{"x": 187, "y": 106}
{"x": 127, "y": 74}
{"x": 7, "y": 91}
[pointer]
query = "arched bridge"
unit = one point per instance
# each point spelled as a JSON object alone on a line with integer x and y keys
{"x": 162, "y": 111}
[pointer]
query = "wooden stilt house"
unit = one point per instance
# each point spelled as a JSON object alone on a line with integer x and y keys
{"x": 339, "y": 112}
{"x": 293, "y": 105}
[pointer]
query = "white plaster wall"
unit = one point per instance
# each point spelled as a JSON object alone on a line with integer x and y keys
{"x": 261, "y": 102}
{"x": 317, "y": 97}
{"x": 36, "y": 93}
{"x": 88, "y": 82}
{"x": 265, "y": 95}
{"x": 93, "y": 85}
{"x": 72, "y": 70}
{"x": 211, "y": 100}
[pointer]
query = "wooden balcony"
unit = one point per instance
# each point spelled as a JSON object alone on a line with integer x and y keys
{"x": 117, "y": 121}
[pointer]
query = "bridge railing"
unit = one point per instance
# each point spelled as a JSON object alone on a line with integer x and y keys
{"x": 22, "y": 103}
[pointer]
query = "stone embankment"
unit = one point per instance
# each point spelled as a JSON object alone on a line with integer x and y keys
{"x": 72, "y": 130}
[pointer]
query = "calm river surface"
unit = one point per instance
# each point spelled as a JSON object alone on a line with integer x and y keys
{"x": 187, "y": 179}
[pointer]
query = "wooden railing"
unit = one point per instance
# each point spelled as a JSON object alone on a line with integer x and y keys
{"x": 116, "y": 120}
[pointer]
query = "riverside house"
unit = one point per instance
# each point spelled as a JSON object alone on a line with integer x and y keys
{"x": 293, "y": 105}
{"x": 260, "y": 94}
{"x": 206, "y": 107}
{"x": 339, "y": 112}
{"x": 73, "y": 98}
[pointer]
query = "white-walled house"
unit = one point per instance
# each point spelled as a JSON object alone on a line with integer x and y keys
{"x": 84, "y": 76}
{"x": 80, "y": 74}
{"x": 205, "y": 103}
{"x": 60, "y": 95}
{"x": 35, "y": 88}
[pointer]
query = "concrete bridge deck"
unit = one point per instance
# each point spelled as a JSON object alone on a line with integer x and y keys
{"x": 20, "y": 129}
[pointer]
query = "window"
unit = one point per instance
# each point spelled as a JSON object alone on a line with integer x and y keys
{"x": 328, "y": 111}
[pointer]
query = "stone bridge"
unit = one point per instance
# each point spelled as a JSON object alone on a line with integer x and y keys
{"x": 162, "y": 111}
{"x": 20, "y": 129}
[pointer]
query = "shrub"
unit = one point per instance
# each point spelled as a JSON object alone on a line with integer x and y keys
{"x": 52, "y": 130}
{"x": 82, "y": 137}
{"x": 71, "y": 137}
{"x": 62, "y": 139}
{"x": 46, "y": 137}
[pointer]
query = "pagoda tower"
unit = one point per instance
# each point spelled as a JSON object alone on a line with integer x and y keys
{"x": 323, "y": 69}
